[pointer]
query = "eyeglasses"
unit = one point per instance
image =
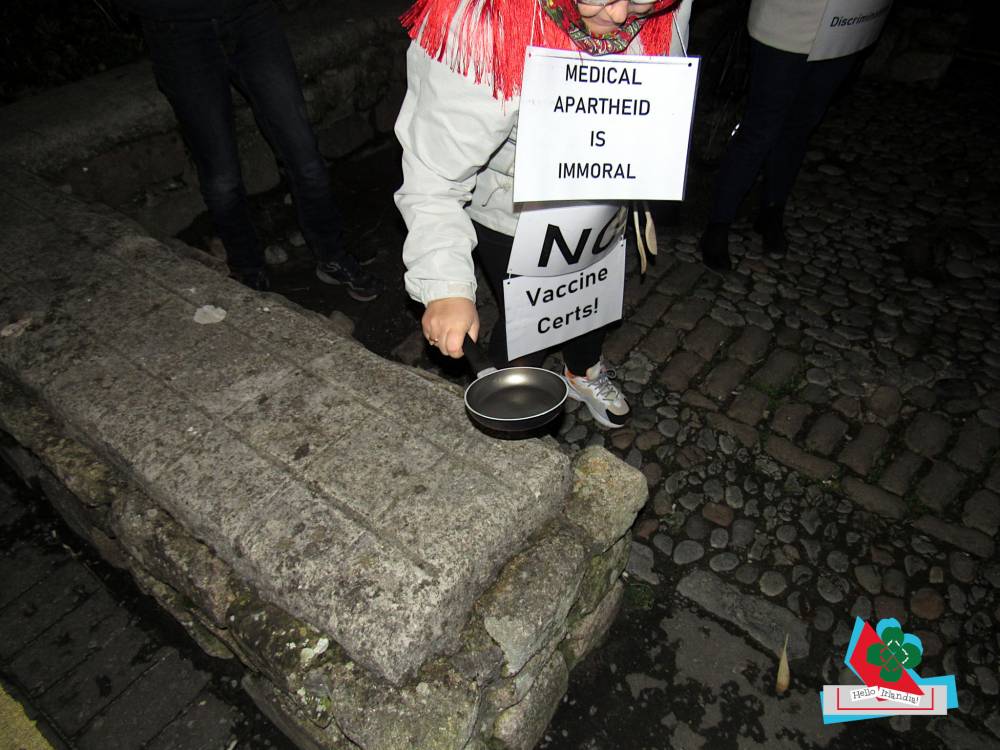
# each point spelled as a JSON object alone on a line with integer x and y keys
{"x": 601, "y": 3}
{"x": 590, "y": 9}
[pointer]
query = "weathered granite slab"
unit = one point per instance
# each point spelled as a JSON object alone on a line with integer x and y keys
{"x": 351, "y": 491}
{"x": 492, "y": 686}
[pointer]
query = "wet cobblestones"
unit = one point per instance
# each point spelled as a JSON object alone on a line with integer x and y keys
{"x": 829, "y": 420}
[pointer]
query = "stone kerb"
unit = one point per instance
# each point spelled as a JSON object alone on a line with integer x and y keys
{"x": 331, "y": 518}
{"x": 550, "y": 605}
{"x": 351, "y": 490}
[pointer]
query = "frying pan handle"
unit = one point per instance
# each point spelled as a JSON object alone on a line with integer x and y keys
{"x": 480, "y": 364}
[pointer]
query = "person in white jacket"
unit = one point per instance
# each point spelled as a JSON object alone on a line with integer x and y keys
{"x": 788, "y": 96}
{"x": 457, "y": 127}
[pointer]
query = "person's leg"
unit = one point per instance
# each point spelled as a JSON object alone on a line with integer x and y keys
{"x": 190, "y": 68}
{"x": 583, "y": 352}
{"x": 263, "y": 69}
{"x": 590, "y": 381}
{"x": 775, "y": 78}
{"x": 586, "y": 375}
{"x": 493, "y": 254}
{"x": 820, "y": 83}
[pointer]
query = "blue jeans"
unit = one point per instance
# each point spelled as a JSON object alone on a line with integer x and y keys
{"x": 195, "y": 62}
{"x": 788, "y": 97}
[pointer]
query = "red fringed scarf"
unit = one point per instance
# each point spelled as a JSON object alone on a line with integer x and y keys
{"x": 493, "y": 34}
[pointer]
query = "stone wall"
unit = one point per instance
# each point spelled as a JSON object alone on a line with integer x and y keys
{"x": 549, "y": 606}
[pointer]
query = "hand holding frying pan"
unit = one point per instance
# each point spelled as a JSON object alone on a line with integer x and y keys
{"x": 513, "y": 399}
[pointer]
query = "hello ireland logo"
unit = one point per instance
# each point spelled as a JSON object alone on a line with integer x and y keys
{"x": 884, "y": 659}
{"x": 896, "y": 652}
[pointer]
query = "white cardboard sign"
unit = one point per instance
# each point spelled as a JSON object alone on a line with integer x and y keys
{"x": 553, "y": 239}
{"x": 615, "y": 127}
{"x": 543, "y": 311}
{"x": 848, "y": 26}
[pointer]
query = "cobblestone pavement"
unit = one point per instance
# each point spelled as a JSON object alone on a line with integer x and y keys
{"x": 820, "y": 435}
{"x": 98, "y": 665}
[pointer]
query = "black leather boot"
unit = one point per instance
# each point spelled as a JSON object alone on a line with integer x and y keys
{"x": 770, "y": 226}
{"x": 714, "y": 246}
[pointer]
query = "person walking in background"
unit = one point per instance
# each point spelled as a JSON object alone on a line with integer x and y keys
{"x": 199, "y": 48}
{"x": 787, "y": 99}
{"x": 458, "y": 127}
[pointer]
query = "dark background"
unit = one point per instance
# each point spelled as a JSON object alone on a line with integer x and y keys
{"x": 45, "y": 43}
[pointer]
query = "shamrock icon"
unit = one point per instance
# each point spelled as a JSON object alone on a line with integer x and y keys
{"x": 896, "y": 653}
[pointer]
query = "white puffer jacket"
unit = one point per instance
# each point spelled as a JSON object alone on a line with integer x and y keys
{"x": 458, "y": 165}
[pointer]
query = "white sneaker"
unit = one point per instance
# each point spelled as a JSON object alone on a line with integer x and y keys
{"x": 600, "y": 394}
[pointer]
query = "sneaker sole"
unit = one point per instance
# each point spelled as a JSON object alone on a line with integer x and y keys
{"x": 362, "y": 297}
{"x": 601, "y": 419}
{"x": 359, "y": 296}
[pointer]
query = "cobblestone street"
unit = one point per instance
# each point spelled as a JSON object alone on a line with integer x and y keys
{"x": 96, "y": 662}
{"x": 820, "y": 436}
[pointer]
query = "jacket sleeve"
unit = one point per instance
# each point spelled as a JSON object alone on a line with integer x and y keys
{"x": 449, "y": 127}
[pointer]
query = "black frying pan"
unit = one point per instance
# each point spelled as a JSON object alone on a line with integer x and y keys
{"x": 514, "y": 399}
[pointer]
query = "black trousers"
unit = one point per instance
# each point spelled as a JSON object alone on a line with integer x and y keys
{"x": 788, "y": 98}
{"x": 493, "y": 254}
{"x": 195, "y": 62}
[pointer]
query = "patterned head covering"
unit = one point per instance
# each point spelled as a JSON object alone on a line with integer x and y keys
{"x": 566, "y": 15}
{"x": 493, "y": 34}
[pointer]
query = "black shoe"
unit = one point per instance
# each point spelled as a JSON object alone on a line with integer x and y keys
{"x": 256, "y": 279}
{"x": 715, "y": 247}
{"x": 360, "y": 284}
{"x": 770, "y": 227}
